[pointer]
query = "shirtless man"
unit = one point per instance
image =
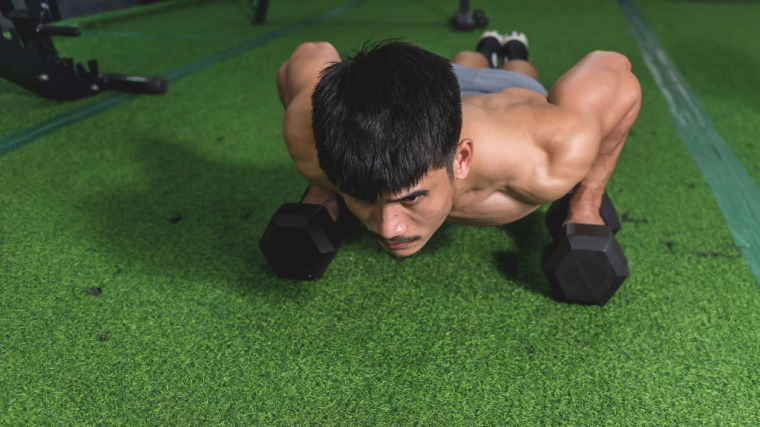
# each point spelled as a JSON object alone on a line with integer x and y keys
{"x": 389, "y": 131}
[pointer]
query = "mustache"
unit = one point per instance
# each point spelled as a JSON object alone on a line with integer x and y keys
{"x": 396, "y": 240}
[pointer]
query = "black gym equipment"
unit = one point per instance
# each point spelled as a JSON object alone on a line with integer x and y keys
{"x": 52, "y": 7}
{"x": 584, "y": 264}
{"x": 260, "y": 8}
{"x": 30, "y": 59}
{"x": 464, "y": 20}
{"x": 301, "y": 239}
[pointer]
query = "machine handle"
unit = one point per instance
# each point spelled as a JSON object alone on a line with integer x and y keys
{"x": 54, "y": 30}
{"x": 154, "y": 85}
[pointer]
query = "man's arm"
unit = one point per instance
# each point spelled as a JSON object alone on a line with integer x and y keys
{"x": 599, "y": 100}
{"x": 296, "y": 80}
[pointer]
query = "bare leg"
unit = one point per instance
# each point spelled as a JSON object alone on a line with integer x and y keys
{"x": 470, "y": 59}
{"x": 478, "y": 60}
{"x": 522, "y": 67}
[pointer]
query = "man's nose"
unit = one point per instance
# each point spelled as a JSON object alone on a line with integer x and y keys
{"x": 388, "y": 222}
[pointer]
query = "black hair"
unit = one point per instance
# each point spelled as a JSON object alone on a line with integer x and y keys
{"x": 384, "y": 117}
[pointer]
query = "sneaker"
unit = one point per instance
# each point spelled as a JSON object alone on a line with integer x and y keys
{"x": 514, "y": 35}
{"x": 490, "y": 45}
{"x": 514, "y": 46}
{"x": 495, "y": 34}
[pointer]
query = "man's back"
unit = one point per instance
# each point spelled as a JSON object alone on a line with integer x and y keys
{"x": 508, "y": 153}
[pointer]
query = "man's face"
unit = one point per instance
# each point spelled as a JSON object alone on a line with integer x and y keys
{"x": 404, "y": 222}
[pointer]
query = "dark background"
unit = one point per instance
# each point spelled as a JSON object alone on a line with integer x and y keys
{"x": 74, "y": 8}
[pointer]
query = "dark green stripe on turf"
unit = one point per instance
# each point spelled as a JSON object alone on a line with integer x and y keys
{"x": 162, "y": 36}
{"x": 25, "y": 136}
{"x": 736, "y": 193}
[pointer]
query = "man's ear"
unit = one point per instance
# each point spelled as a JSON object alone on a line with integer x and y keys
{"x": 463, "y": 158}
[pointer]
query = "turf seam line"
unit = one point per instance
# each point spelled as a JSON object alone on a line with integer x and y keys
{"x": 164, "y": 36}
{"x": 161, "y": 36}
{"x": 25, "y": 136}
{"x": 735, "y": 191}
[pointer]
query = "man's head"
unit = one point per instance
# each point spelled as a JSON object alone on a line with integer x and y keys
{"x": 387, "y": 122}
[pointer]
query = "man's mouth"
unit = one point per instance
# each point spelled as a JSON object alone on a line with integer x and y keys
{"x": 397, "y": 244}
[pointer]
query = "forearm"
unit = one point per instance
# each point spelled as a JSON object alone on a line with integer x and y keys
{"x": 587, "y": 195}
{"x": 587, "y": 198}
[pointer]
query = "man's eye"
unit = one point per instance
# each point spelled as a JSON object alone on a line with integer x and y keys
{"x": 412, "y": 199}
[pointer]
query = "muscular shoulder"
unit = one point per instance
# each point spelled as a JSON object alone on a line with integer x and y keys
{"x": 533, "y": 150}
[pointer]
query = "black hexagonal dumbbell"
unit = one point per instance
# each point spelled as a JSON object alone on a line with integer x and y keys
{"x": 557, "y": 213}
{"x": 584, "y": 263}
{"x": 464, "y": 20}
{"x": 302, "y": 239}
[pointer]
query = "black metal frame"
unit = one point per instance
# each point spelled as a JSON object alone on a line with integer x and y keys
{"x": 464, "y": 20}
{"x": 30, "y": 59}
{"x": 261, "y": 8}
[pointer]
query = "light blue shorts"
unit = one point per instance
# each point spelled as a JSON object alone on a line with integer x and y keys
{"x": 488, "y": 80}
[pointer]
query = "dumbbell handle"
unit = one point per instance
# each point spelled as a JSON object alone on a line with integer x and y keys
{"x": 154, "y": 85}
{"x": 557, "y": 214}
{"x": 53, "y": 30}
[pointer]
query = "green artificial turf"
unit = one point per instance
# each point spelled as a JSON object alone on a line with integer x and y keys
{"x": 717, "y": 49}
{"x": 133, "y": 292}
